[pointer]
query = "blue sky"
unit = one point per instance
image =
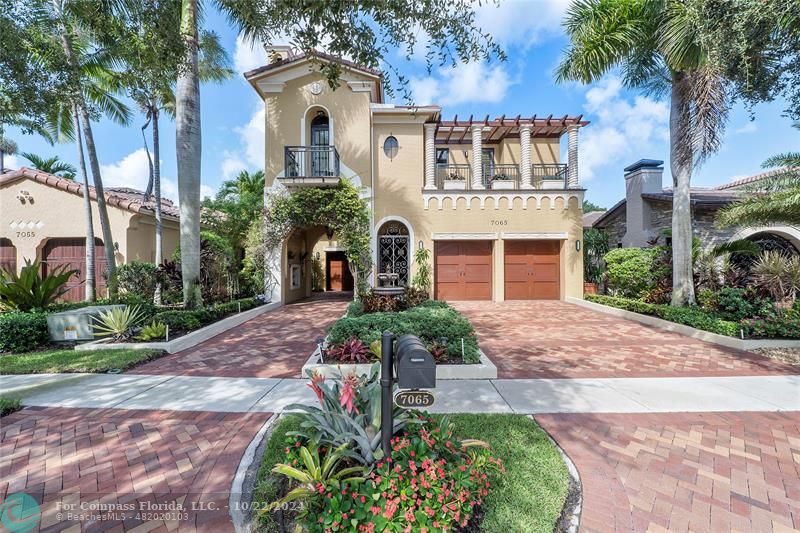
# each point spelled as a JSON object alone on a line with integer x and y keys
{"x": 625, "y": 125}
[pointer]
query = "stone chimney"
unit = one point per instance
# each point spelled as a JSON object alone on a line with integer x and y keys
{"x": 642, "y": 177}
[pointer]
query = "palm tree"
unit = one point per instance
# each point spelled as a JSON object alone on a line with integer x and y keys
{"x": 51, "y": 165}
{"x": 246, "y": 183}
{"x": 654, "y": 44}
{"x": 776, "y": 200}
{"x": 7, "y": 146}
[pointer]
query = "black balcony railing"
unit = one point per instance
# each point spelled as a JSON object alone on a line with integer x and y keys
{"x": 501, "y": 176}
{"x": 311, "y": 162}
{"x": 453, "y": 176}
{"x": 549, "y": 176}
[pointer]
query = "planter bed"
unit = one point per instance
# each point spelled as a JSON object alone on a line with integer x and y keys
{"x": 188, "y": 339}
{"x": 483, "y": 370}
{"x": 531, "y": 495}
{"x": 716, "y": 331}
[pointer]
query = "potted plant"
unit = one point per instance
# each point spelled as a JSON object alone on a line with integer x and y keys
{"x": 502, "y": 181}
{"x": 454, "y": 181}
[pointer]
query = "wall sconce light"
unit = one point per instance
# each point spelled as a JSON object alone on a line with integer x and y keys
{"x": 116, "y": 247}
{"x": 329, "y": 233}
{"x": 578, "y": 245}
{"x": 421, "y": 245}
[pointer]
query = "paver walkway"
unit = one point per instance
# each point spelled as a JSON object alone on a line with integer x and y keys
{"x": 685, "y": 472}
{"x": 549, "y": 339}
{"x": 72, "y": 460}
{"x": 275, "y": 344}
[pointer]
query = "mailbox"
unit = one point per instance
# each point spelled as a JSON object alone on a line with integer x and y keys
{"x": 414, "y": 364}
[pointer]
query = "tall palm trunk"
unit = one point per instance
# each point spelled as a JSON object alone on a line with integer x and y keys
{"x": 157, "y": 193}
{"x": 681, "y": 160}
{"x": 89, "y": 288}
{"x": 105, "y": 226}
{"x": 188, "y": 149}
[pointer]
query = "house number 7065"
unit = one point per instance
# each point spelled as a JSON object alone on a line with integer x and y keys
{"x": 501, "y": 222}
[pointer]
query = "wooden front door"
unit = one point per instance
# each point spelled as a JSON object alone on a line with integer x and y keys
{"x": 463, "y": 270}
{"x": 337, "y": 272}
{"x": 72, "y": 252}
{"x": 532, "y": 270}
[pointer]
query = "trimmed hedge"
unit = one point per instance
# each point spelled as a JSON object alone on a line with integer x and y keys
{"x": 191, "y": 319}
{"x": 688, "y": 316}
{"x": 23, "y": 332}
{"x": 431, "y": 321}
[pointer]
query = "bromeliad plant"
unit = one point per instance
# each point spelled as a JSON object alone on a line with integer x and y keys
{"x": 117, "y": 323}
{"x": 352, "y": 351}
{"x": 349, "y": 414}
{"x": 31, "y": 290}
{"x": 153, "y": 331}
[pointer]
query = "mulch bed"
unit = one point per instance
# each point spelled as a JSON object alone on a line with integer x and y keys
{"x": 785, "y": 355}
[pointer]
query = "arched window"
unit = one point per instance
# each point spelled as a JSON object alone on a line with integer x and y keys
{"x": 766, "y": 241}
{"x": 393, "y": 252}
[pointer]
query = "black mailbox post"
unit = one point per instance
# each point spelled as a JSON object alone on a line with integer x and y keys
{"x": 416, "y": 369}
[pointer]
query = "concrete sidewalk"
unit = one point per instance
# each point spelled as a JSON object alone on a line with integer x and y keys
{"x": 529, "y": 396}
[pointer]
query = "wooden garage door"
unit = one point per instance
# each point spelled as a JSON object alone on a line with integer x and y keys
{"x": 72, "y": 252}
{"x": 532, "y": 270}
{"x": 8, "y": 255}
{"x": 463, "y": 270}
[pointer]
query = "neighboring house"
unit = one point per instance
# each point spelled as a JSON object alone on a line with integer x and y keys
{"x": 490, "y": 198}
{"x": 42, "y": 216}
{"x": 646, "y": 211}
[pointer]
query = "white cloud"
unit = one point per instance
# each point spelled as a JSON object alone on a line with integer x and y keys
{"x": 248, "y": 56}
{"x": 12, "y": 162}
{"x": 521, "y": 22}
{"x": 467, "y": 82}
{"x": 750, "y": 127}
{"x": 251, "y": 139}
{"x": 133, "y": 171}
{"x": 621, "y": 128}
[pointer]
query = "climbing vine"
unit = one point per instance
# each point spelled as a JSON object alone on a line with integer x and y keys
{"x": 339, "y": 208}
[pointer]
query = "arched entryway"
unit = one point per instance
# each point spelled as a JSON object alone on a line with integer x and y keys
{"x": 394, "y": 253}
{"x": 781, "y": 239}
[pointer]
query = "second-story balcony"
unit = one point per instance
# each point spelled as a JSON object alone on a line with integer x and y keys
{"x": 312, "y": 166}
{"x": 501, "y": 177}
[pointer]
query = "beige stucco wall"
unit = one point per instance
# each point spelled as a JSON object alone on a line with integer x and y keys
{"x": 348, "y": 111}
{"x": 506, "y": 152}
{"x": 60, "y": 214}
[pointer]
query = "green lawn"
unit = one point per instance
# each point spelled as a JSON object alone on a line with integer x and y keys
{"x": 56, "y": 361}
{"x": 528, "y": 497}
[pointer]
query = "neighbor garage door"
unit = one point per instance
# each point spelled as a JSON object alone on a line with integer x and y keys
{"x": 72, "y": 252}
{"x": 532, "y": 270}
{"x": 463, "y": 270}
{"x": 8, "y": 255}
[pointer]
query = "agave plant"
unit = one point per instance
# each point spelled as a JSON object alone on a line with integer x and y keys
{"x": 30, "y": 290}
{"x": 117, "y": 323}
{"x": 314, "y": 472}
{"x": 350, "y": 415}
{"x": 778, "y": 274}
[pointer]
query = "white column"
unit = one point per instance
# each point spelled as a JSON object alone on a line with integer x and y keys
{"x": 430, "y": 156}
{"x": 525, "y": 156}
{"x": 477, "y": 156}
{"x": 572, "y": 157}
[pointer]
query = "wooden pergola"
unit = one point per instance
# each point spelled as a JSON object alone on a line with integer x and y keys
{"x": 458, "y": 131}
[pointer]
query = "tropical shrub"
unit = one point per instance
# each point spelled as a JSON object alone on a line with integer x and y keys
{"x": 431, "y": 321}
{"x": 29, "y": 289}
{"x": 349, "y": 414}
{"x": 732, "y": 304}
{"x": 352, "y": 351}
{"x": 23, "y": 332}
{"x": 168, "y": 274}
{"x": 421, "y": 281}
{"x": 9, "y": 405}
{"x": 137, "y": 277}
{"x": 414, "y": 297}
{"x": 355, "y": 308}
{"x": 778, "y": 274}
{"x": 182, "y": 320}
{"x": 179, "y": 320}
{"x": 380, "y": 303}
{"x": 630, "y": 271}
{"x": 595, "y": 247}
{"x": 772, "y": 327}
{"x": 152, "y": 332}
{"x": 117, "y": 322}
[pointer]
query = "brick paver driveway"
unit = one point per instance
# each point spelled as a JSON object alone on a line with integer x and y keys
{"x": 685, "y": 472}
{"x": 549, "y": 339}
{"x": 273, "y": 345}
{"x": 73, "y": 460}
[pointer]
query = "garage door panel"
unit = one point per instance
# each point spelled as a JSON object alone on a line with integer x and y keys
{"x": 532, "y": 270}
{"x": 71, "y": 253}
{"x": 463, "y": 270}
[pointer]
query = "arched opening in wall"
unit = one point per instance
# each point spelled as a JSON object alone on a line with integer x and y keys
{"x": 72, "y": 253}
{"x": 766, "y": 241}
{"x": 393, "y": 254}
{"x": 8, "y": 255}
{"x": 320, "y": 141}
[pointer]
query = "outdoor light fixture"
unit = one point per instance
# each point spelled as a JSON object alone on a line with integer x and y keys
{"x": 421, "y": 245}
{"x": 329, "y": 233}
{"x": 578, "y": 245}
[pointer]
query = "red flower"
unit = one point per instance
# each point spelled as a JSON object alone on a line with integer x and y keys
{"x": 316, "y": 380}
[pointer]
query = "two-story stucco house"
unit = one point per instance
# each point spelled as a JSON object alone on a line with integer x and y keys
{"x": 491, "y": 199}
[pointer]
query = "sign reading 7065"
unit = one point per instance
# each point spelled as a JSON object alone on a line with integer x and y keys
{"x": 414, "y": 399}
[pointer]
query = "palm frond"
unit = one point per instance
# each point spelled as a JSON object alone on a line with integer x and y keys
{"x": 780, "y": 207}
{"x": 214, "y": 64}
{"x": 791, "y": 160}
